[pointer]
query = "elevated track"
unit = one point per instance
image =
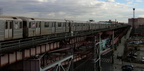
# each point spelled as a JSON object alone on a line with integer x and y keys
{"x": 59, "y": 52}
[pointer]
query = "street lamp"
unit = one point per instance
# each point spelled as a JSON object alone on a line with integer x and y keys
{"x": 133, "y": 12}
{"x": 133, "y": 20}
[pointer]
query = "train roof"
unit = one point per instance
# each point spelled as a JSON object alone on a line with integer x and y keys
{"x": 80, "y": 21}
{"x": 51, "y": 20}
{"x": 42, "y": 19}
{"x": 9, "y": 18}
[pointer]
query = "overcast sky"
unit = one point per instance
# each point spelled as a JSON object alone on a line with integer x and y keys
{"x": 98, "y": 10}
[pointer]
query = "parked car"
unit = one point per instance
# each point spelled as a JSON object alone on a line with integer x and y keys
{"x": 134, "y": 56}
{"x": 127, "y": 68}
{"x": 142, "y": 60}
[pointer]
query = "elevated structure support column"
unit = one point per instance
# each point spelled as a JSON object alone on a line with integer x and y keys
{"x": 113, "y": 48}
{"x": 96, "y": 53}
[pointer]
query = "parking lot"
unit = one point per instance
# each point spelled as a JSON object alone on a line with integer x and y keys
{"x": 140, "y": 56}
{"x": 135, "y": 58}
{"x": 138, "y": 69}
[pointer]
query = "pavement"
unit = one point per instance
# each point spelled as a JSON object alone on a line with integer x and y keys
{"x": 119, "y": 52}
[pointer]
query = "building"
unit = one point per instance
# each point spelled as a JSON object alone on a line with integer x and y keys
{"x": 108, "y": 22}
{"x": 138, "y": 24}
{"x": 136, "y": 21}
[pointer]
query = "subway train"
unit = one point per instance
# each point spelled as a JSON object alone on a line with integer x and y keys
{"x": 12, "y": 27}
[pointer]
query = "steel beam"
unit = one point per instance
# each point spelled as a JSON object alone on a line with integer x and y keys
{"x": 58, "y": 63}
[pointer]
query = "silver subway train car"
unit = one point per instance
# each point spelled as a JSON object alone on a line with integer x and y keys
{"x": 22, "y": 27}
{"x": 10, "y": 28}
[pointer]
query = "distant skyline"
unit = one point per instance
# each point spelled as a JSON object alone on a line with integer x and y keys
{"x": 98, "y": 10}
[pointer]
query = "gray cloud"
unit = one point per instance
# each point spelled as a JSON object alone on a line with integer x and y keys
{"x": 68, "y": 9}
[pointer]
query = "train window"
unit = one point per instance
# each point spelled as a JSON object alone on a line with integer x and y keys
{"x": 33, "y": 25}
{"x": 77, "y": 24}
{"x": 40, "y": 24}
{"x": 37, "y": 25}
{"x": 46, "y": 24}
{"x": 21, "y": 24}
{"x": 50, "y": 24}
{"x": 65, "y": 24}
{"x": 11, "y": 24}
{"x": 16, "y": 25}
{"x": 53, "y": 24}
{"x": 6, "y": 25}
{"x": 59, "y": 24}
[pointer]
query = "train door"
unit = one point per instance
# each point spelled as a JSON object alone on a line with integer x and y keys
{"x": 25, "y": 29}
{"x": 32, "y": 28}
{"x": 53, "y": 27}
{"x": 70, "y": 26}
{"x": 65, "y": 25}
{"x": 8, "y": 29}
{"x": 37, "y": 28}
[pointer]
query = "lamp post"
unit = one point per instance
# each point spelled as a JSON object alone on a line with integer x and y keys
{"x": 133, "y": 20}
{"x": 133, "y": 12}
